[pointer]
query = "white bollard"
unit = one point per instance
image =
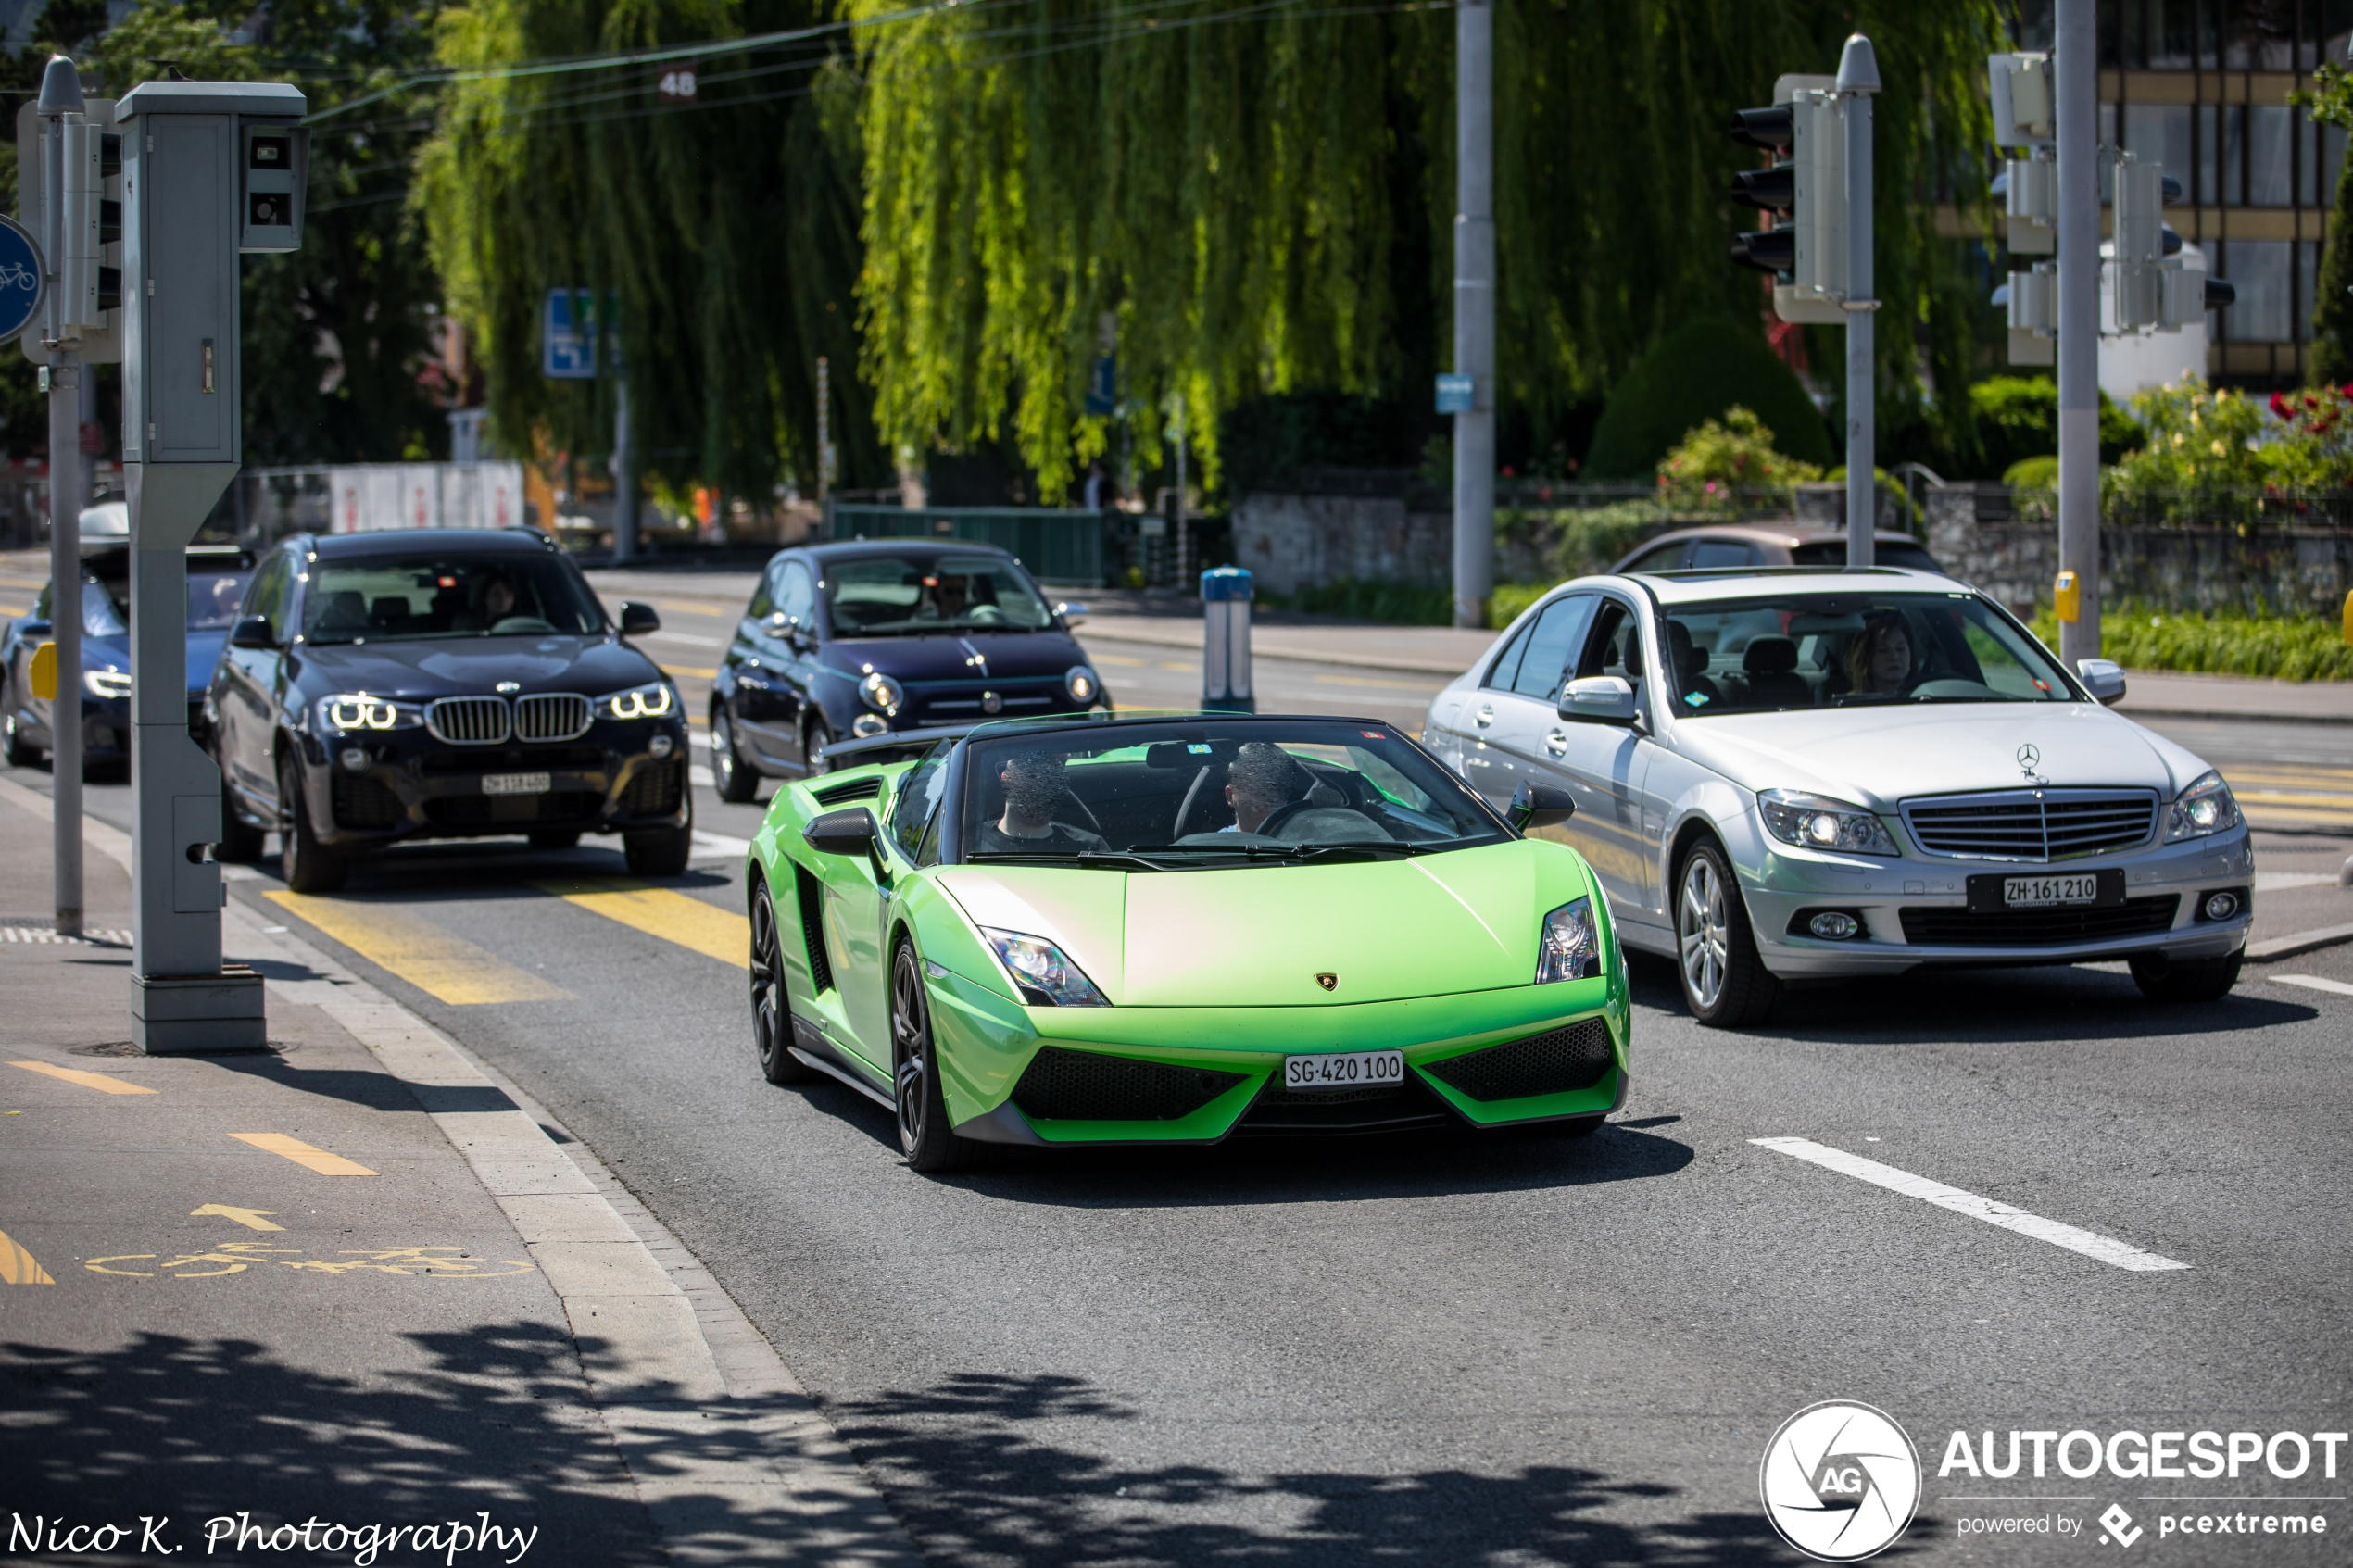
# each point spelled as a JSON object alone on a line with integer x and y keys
{"x": 1225, "y": 648}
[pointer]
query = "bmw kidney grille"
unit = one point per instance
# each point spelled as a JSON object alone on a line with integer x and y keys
{"x": 551, "y": 716}
{"x": 469, "y": 721}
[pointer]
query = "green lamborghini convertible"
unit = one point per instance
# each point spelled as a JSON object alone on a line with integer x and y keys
{"x": 1168, "y": 929}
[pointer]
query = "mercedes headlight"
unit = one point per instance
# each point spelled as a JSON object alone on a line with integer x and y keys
{"x": 882, "y": 694}
{"x": 1571, "y": 948}
{"x": 2206, "y": 807}
{"x": 1814, "y": 821}
{"x": 107, "y": 683}
{"x": 352, "y": 711}
{"x": 1080, "y": 683}
{"x": 1042, "y": 972}
{"x": 657, "y": 700}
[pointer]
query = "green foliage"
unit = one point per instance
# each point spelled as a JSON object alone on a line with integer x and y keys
{"x": 725, "y": 229}
{"x": 1721, "y": 468}
{"x": 1509, "y": 600}
{"x": 2330, "y": 101}
{"x": 2017, "y": 417}
{"x": 1262, "y": 200}
{"x": 2216, "y": 454}
{"x": 1694, "y": 374}
{"x": 2032, "y": 473}
{"x": 1397, "y": 604}
{"x": 2277, "y": 647}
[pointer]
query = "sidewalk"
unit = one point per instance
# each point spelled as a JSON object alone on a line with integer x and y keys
{"x": 353, "y": 1281}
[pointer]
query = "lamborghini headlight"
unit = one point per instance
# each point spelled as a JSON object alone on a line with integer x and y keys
{"x": 1571, "y": 948}
{"x": 349, "y": 713}
{"x": 2206, "y": 807}
{"x": 655, "y": 701}
{"x": 1042, "y": 972}
{"x": 1814, "y": 821}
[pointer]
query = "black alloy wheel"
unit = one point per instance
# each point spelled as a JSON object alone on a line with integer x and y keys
{"x": 2189, "y": 980}
{"x": 734, "y": 781}
{"x": 815, "y": 735}
{"x": 771, "y": 1003}
{"x": 240, "y": 842}
{"x": 22, "y": 753}
{"x": 308, "y": 865}
{"x": 924, "y": 1137}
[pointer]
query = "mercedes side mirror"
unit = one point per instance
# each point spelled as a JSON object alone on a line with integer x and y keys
{"x": 849, "y": 831}
{"x": 1073, "y": 615}
{"x": 637, "y": 619}
{"x": 1540, "y": 805}
{"x": 253, "y": 633}
{"x": 1598, "y": 700}
{"x": 2104, "y": 678}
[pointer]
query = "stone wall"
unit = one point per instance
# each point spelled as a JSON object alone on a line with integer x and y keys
{"x": 2304, "y": 571}
{"x": 1293, "y": 542}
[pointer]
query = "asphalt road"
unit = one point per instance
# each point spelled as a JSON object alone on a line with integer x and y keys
{"x": 1439, "y": 1348}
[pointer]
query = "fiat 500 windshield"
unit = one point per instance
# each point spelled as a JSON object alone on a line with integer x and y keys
{"x": 1184, "y": 796}
{"x": 411, "y": 597}
{"x": 1753, "y": 656}
{"x": 903, "y": 596}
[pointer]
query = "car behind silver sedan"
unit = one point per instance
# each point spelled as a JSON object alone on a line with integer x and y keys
{"x": 1794, "y": 775}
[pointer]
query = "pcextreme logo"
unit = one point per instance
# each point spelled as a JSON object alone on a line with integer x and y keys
{"x": 1840, "y": 1481}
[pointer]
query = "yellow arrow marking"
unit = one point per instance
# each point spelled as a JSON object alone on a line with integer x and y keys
{"x": 659, "y": 911}
{"x": 88, "y": 1080}
{"x": 301, "y": 1153}
{"x": 17, "y": 1266}
{"x": 249, "y": 1218}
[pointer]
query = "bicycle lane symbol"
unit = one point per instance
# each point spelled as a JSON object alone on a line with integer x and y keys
{"x": 237, "y": 1257}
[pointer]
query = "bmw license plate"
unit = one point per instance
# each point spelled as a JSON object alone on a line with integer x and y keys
{"x": 1344, "y": 1069}
{"x": 517, "y": 783}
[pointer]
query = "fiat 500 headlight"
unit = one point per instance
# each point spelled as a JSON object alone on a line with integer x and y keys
{"x": 655, "y": 701}
{"x": 349, "y": 713}
{"x": 2206, "y": 807}
{"x": 1571, "y": 948}
{"x": 1043, "y": 973}
{"x": 882, "y": 694}
{"x": 1080, "y": 683}
{"x": 1815, "y": 822}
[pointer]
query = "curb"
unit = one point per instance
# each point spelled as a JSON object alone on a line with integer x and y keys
{"x": 2298, "y": 942}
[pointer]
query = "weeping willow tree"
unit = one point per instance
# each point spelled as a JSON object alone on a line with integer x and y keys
{"x": 1260, "y": 197}
{"x": 725, "y": 227}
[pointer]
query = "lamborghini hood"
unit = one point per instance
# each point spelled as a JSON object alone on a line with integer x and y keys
{"x": 1383, "y": 931}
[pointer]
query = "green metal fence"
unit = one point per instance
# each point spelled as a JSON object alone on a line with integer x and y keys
{"x": 1058, "y": 544}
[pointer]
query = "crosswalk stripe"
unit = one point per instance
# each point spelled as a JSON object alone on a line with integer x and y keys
{"x": 414, "y": 947}
{"x": 2107, "y": 1249}
{"x": 661, "y": 911}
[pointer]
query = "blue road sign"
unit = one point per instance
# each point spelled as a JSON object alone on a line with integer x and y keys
{"x": 1102, "y": 388}
{"x": 1453, "y": 394}
{"x": 568, "y": 336}
{"x": 19, "y": 279}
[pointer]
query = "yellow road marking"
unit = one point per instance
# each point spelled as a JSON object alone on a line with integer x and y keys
{"x": 431, "y": 959}
{"x": 301, "y": 1153}
{"x": 685, "y": 670}
{"x": 659, "y": 911}
{"x": 16, "y": 1265}
{"x": 249, "y": 1218}
{"x": 14, "y": 609}
{"x": 1373, "y": 680}
{"x": 2293, "y": 797}
{"x": 99, "y": 1080}
{"x": 1120, "y": 659}
{"x": 690, "y": 610}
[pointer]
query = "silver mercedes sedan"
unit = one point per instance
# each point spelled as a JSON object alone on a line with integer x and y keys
{"x": 1795, "y": 774}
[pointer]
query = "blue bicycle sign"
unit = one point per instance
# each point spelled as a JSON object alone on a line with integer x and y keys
{"x": 21, "y": 269}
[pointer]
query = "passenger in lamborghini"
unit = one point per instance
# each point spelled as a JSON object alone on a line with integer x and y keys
{"x": 1035, "y": 788}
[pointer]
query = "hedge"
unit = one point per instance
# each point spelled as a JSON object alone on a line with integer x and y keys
{"x": 2276, "y": 647}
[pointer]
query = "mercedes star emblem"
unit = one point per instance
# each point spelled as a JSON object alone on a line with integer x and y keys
{"x": 2029, "y": 757}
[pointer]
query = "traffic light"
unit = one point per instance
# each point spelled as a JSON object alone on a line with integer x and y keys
{"x": 2150, "y": 286}
{"x": 89, "y": 271}
{"x": 1804, "y": 190}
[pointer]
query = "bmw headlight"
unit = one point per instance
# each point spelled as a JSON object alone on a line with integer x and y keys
{"x": 1042, "y": 972}
{"x": 351, "y": 711}
{"x": 1571, "y": 948}
{"x": 1080, "y": 683}
{"x": 1814, "y": 821}
{"x": 658, "y": 700}
{"x": 107, "y": 683}
{"x": 882, "y": 694}
{"x": 2206, "y": 807}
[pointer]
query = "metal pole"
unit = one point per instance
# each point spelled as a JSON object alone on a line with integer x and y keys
{"x": 825, "y": 430}
{"x": 62, "y": 97}
{"x": 2079, "y": 330}
{"x": 1858, "y": 80}
{"x": 1474, "y": 309}
{"x": 624, "y": 478}
{"x": 1182, "y": 540}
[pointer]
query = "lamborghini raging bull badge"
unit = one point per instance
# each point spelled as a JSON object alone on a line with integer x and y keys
{"x": 1328, "y": 981}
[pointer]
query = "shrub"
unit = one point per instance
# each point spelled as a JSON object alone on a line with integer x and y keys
{"x": 1693, "y": 374}
{"x": 1720, "y": 467}
{"x": 1504, "y": 604}
{"x": 1399, "y": 604}
{"x": 2017, "y": 417}
{"x": 2284, "y": 648}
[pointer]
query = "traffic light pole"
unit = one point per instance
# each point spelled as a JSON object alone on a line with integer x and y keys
{"x": 2074, "y": 85}
{"x": 1474, "y": 309}
{"x": 1858, "y": 80}
{"x": 62, "y": 97}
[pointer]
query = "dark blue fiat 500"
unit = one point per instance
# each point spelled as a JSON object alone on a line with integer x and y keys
{"x": 864, "y": 638}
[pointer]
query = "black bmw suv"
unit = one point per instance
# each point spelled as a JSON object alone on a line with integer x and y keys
{"x": 441, "y": 684}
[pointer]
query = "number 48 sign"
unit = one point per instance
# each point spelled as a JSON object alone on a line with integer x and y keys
{"x": 677, "y": 84}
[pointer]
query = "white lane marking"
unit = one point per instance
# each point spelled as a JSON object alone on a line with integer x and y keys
{"x": 719, "y": 847}
{"x": 699, "y": 774}
{"x": 2277, "y": 881}
{"x": 687, "y": 637}
{"x": 2089, "y": 1243}
{"x": 2312, "y": 981}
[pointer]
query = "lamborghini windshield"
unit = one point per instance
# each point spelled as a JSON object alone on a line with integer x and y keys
{"x": 1845, "y": 650}
{"x": 1165, "y": 795}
